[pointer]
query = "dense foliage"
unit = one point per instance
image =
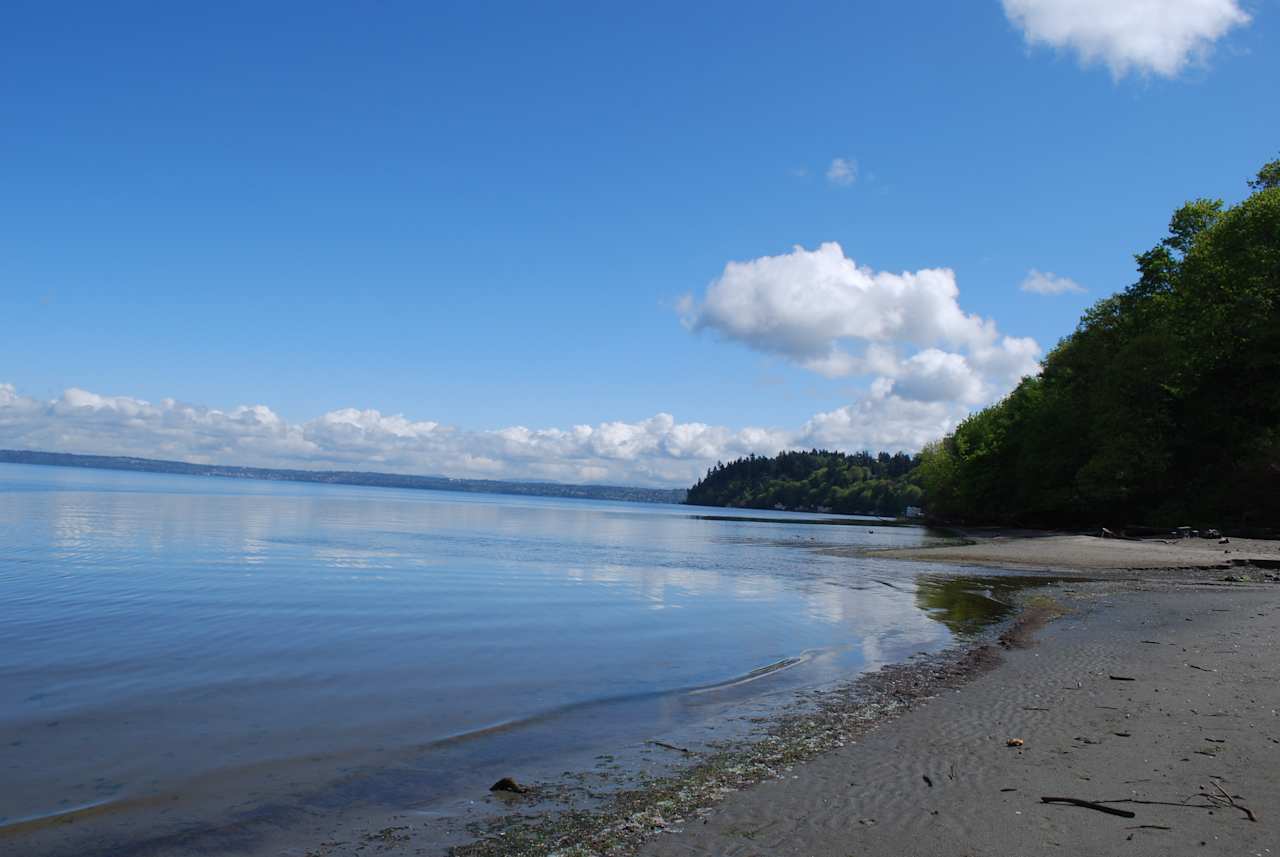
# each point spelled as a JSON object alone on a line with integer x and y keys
{"x": 1163, "y": 407}
{"x": 817, "y": 480}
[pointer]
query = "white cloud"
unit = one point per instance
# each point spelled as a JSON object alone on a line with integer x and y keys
{"x": 843, "y": 171}
{"x": 1146, "y": 36}
{"x": 801, "y": 303}
{"x": 656, "y": 451}
{"x": 901, "y": 413}
{"x": 1008, "y": 360}
{"x": 821, "y": 310}
{"x": 1049, "y": 283}
{"x": 882, "y": 420}
{"x": 939, "y": 376}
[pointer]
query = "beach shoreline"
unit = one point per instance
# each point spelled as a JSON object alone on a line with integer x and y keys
{"x": 1032, "y": 549}
{"x": 866, "y": 792}
{"x": 821, "y": 722}
{"x": 1157, "y": 698}
{"x": 874, "y": 765}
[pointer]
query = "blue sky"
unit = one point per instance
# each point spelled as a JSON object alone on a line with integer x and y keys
{"x": 482, "y": 218}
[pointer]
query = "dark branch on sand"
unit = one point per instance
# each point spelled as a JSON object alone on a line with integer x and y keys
{"x": 1088, "y": 804}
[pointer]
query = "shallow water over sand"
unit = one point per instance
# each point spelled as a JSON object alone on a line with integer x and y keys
{"x": 181, "y": 649}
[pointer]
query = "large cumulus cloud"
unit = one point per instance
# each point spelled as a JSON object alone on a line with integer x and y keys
{"x": 1146, "y": 36}
{"x": 906, "y": 331}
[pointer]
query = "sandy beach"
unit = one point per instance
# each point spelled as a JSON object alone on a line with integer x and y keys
{"x": 1158, "y": 697}
{"x": 1197, "y": 722}
{"x": 1087, "y": 553}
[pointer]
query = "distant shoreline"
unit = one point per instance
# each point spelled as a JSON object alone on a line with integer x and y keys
{"x": 368, "y": 479}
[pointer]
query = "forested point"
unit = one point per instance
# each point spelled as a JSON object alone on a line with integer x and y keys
{"x": 1162, "y": 408}
{"x": 813, "y": 481}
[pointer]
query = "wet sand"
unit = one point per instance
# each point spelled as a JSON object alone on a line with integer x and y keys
{"x": 1194, "y": 730}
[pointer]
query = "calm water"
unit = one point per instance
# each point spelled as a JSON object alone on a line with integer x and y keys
{"x": 188, "y": 640}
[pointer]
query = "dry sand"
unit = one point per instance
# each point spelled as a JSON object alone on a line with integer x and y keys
{"x": 1199, "y": 720}
{"x": 1023, "y": 550}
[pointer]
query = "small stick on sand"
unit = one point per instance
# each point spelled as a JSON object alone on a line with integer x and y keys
{"x": 1228, "y": 800}
{"x": 1088, "y": 804}
{"x": 667, "y": 746}
{"x": 1121, "y": 678}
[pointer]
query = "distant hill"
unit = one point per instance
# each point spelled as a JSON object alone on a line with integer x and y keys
{"x": 813, "y": 481}
{"x": 347, "y": 477}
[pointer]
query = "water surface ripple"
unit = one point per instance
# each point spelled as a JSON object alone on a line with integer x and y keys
{"x": 164, "y": 637}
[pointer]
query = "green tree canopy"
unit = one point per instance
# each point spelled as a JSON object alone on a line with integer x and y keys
{"x": 1162, "y": 407}
{"x": 848, "y": 483}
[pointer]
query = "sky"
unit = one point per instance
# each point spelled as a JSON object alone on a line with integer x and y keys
{"x": 580, "y": 241}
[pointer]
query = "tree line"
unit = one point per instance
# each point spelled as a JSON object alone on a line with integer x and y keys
{"x": 816, "y": 480}
{"x": 1162, "y": 407}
